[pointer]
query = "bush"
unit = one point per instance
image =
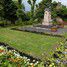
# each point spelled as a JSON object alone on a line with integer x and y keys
{"x": 54, "y": 22}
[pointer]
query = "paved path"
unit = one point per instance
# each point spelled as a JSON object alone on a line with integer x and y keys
{"x": 44, "y": 30}
{"x": 63, "y": 29}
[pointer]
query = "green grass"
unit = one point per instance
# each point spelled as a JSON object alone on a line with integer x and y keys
{"x": 65, "y": 34}
{"x": 30, "y": 43}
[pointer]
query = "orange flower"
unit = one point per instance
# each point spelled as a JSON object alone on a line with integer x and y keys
{"x": 32, "y": 65}
{"x": 1, "y": 51}
{"x": 19, "y": 65}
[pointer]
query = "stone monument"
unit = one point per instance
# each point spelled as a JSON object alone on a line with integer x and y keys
{"x": 47, "y": 17}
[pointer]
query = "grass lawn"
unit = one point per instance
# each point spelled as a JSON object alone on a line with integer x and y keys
{"x": 65, "y": 34}
{"x": 30, "y": 43}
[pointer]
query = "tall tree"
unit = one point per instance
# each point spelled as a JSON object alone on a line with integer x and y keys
{"x": 58, "y": 10}
{"x": 20, "y": 1}
{"x": 20, "y": 11}
{"x": 32, "y": 3}
{"x": 53, "y": 8}
{"x": 10, "y": 10}
{"x": 41, "y": 7}
{"x": 1, "y": 9}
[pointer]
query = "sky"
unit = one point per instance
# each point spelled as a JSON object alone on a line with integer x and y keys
{"x": 27, "y": 6}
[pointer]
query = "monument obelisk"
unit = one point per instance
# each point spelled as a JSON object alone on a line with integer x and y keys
{"x": 47, "y": 14}
{"x": 47, "y": 17}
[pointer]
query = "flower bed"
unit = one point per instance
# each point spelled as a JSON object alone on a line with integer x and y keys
{"x": 54, "y": 29}
{"x": 11, "y": 57}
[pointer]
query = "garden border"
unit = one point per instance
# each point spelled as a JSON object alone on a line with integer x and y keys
{"x": 42, "y": 33}
{"x": 21, "y": 53}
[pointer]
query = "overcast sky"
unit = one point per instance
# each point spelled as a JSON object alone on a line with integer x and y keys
{"x": 27, "y": 6}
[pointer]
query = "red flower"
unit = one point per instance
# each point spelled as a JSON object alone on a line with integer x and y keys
{"x": 1, "y": 51}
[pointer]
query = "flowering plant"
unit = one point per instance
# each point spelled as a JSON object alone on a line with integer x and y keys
{"x": 13, "y": 58}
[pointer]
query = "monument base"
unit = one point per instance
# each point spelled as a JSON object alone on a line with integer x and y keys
{"x": 41, "y": 29}
{"x": 43, "y": 26}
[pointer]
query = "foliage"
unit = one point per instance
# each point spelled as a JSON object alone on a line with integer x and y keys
{"x": 1, "y": 9}
{"x": 9, "y": 58}
{"x": 62, "y": 12}
{"x": 32, "y": 3}
{"x": 39, "y": 12}
{"x": 10, "y": 10}
{"x": 57, "y": 59}
{"x": 53, "y": 8}
{"x": 31, "y": 43}
{"x": 20, "y": 12}
{"x": 28, "y": 15}
{"x": 58, "y": 10}
{"x": 54, "y": 22}
{"x": 19, "y": 1}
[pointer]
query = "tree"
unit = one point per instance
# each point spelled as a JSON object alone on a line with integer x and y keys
{"x": 20, "y": 14}
{"x": 20, "y": 11}
{"x": 63, "y": 12}
{"x": 32, "y": 3}
{"x": 41, "y": 7}
{"x": 19, "y": 1}
{"x": 58, "y": 10}
{"x": 10, "y": 11}
{"x": 53, "y": 9}
{"x": 1, "y": 9}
